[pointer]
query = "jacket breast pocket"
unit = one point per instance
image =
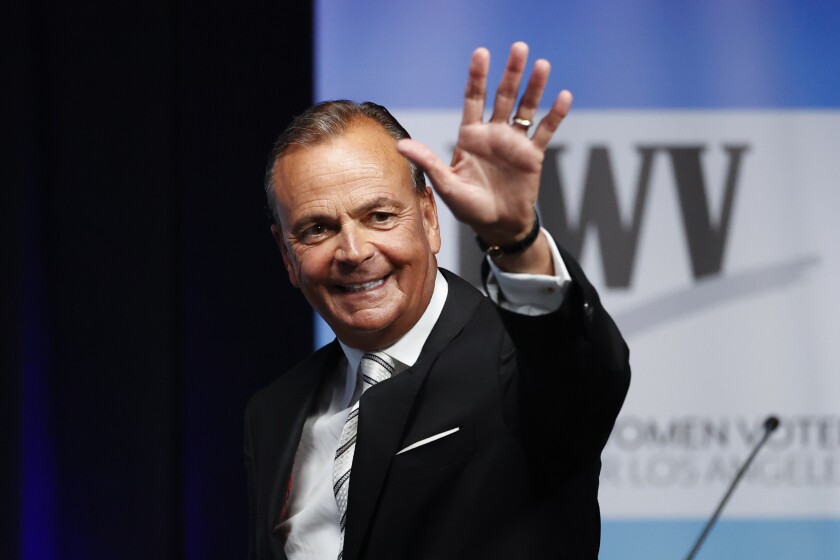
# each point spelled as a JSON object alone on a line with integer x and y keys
{"x": 437, "y": 452}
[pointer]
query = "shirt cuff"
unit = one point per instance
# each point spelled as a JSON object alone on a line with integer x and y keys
{"x": 529, "y": 294}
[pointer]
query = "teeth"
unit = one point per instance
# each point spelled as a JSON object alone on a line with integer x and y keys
{"x": 365, "y": 286}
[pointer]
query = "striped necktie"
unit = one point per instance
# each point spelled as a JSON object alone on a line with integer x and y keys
{"x": 373, "y": 368}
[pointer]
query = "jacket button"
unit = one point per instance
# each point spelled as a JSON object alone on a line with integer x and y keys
{"x": 587, "y": 310}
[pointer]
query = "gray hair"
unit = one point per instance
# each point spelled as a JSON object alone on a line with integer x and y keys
{"x": 327, "y": 120}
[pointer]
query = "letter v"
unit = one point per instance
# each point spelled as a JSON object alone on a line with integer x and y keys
{"x": 706, "y": 244}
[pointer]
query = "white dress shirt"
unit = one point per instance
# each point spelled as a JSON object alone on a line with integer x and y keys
{"x": 312, "y": 518}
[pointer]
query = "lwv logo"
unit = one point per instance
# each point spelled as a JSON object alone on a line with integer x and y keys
{"x": 706, "y": 237}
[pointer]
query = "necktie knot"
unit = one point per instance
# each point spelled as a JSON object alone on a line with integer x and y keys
{"x": 375, "y": 367}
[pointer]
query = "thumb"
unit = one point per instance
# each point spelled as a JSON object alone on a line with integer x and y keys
{"x": 423, "y": 156}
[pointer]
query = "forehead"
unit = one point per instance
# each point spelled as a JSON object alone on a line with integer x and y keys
{"x": 362, "y": 158}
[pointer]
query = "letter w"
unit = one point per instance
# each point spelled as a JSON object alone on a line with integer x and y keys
{"x": 599, "y": 208}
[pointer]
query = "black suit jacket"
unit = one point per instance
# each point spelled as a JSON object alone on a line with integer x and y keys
{"x": 534, "y": 400}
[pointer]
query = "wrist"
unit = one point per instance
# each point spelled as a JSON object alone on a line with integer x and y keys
{"x": 514, "y": 247}
{"x": 537, "y": 259}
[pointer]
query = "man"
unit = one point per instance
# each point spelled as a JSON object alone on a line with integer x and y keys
{"x": 439, "y": 424}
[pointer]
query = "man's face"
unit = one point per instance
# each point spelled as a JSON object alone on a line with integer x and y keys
{"x": 356, "y": 238}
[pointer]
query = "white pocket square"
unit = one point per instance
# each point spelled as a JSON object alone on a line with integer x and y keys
{"x": 429, "y": 440}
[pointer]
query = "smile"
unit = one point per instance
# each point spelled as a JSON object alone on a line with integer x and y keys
{"x": 363, "y": 287}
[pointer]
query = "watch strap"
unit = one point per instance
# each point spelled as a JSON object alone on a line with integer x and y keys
{"x": 518, "y": 247}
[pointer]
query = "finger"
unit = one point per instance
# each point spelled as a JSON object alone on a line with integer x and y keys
{"x": 476, "y": 87}
{"x": 508, "y": 89}
{"x": 423, "y": 156}
{"x": 552, "y": 120}
{"x": 534, "y": 91}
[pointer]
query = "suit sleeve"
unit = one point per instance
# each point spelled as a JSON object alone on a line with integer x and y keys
{"x": 572, "y": 373}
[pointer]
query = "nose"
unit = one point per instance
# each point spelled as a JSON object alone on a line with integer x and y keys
{"x": 354, "y": 247}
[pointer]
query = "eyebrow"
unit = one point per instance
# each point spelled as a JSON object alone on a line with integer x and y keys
{"x": 378, "y": 202}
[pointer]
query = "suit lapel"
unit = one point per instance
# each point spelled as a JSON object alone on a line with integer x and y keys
{"x": 385, "y": 409}
{"x": 302, "y": 387}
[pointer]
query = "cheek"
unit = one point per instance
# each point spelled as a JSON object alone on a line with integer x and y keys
{"x": 290, "y": 264}
{"x": 411, "y": 252}
{"x": 311, "y": 265}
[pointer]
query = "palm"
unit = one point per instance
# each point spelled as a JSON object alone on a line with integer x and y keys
{"x": 489, "y": 160}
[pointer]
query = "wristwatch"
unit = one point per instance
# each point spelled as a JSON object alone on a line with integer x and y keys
{"x": 518, "y": 247}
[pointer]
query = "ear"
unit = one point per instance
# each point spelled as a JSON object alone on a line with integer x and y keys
{"x": 430, "y": 220}
{"x": 277, "y": 233}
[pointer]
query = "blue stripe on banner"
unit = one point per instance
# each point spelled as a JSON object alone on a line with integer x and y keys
{"x": 611, "y": 54}
{"x": 814, "y": 539}
{"x": 322, "y": 332}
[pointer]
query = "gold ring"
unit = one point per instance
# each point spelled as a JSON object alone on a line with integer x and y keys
{"x": 524, "y": 124}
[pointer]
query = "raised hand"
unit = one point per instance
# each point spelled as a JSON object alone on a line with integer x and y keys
{"x": 493, "y": 181}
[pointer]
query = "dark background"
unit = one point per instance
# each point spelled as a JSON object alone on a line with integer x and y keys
{"x": 143, "y": 299}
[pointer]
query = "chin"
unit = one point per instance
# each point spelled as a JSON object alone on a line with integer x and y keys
{"x": 373, "y": 334}
{"x": 369, "y": 328}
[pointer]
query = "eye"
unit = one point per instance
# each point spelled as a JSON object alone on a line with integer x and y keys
{"x": 380, "y": 217}
{"x": 314, "y": 230}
